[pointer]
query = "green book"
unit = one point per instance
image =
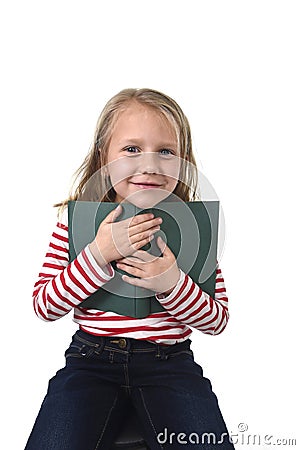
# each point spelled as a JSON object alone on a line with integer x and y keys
{"x": 190, "y": 229}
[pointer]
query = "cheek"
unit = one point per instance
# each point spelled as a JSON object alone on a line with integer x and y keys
{"x": 120, "y": 169}
{"x": 171, "y": 170}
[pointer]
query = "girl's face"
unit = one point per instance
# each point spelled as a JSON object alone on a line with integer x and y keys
{"x": 143, "y": 159}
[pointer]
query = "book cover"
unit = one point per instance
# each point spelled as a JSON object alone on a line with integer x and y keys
{"x": 190, "y": 229}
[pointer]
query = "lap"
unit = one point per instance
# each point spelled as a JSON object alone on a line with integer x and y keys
{"x": 78, "y": 412}
{"x": 183, "y": 411}
{"x": 88, "y": 399}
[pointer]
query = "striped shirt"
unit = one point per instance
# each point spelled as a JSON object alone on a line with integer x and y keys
{"x": 62, "y": 285}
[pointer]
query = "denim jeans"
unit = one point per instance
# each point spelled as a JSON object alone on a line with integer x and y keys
{"x": 87, "y": 399}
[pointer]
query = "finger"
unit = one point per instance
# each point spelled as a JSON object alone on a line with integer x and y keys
{"x": 136, "y": 238}
{"x": 130, "y": 269}
{"x": 111, "y": 217}
{"x": 163, "y": 246}
{"x": 139, "y": 244}
{"x": 139, "y": 219}
{"x": 134, "y": 281}
{"x": 144, "y": 256}
{"x": 145, "y": 226}
{"x": 136, "y": 262}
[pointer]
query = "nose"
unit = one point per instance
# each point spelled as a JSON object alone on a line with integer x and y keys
{"x": 149, "y": 163}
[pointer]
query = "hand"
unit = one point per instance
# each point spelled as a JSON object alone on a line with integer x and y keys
{"x": 159, "y": 274}
{"x": 115, "y": 240}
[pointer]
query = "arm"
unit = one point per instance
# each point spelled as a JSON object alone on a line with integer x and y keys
{"x": 61, "y": 285}
{"x": 191, "y": 305}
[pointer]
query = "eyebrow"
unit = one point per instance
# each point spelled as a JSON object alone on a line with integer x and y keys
{"x": 139, "y": 142}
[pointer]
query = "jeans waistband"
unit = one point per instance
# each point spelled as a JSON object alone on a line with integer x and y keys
{"x": 130, "y": 344}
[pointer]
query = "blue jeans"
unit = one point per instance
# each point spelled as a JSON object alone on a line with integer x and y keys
{"x": 87, "y": 399}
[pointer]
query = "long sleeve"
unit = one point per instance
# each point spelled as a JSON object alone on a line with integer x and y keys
{"x": 189, "y": 304}
{"x": 61, "y": 285}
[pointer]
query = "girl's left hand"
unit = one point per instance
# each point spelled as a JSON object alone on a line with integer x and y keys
{"x": 159, "y": 274}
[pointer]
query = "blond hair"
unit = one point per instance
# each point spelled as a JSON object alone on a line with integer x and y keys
{"x": 101, "y": 189}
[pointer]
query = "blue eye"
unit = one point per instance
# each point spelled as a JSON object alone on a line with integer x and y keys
{"x": 131, "y": 149}
{"x": 165, "y": 152}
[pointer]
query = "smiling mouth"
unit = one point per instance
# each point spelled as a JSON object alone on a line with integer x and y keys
{"x": 147, "y": 185}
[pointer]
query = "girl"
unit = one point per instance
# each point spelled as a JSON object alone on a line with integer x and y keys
{"x": 142, "y": 150}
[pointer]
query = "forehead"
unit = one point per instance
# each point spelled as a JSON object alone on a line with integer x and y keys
{"x": 140, "y": 118}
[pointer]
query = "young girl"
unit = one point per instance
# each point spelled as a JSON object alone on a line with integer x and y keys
{"x": 142, "y": 142}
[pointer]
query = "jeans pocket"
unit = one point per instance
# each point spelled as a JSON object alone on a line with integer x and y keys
{"x": 188, "y": 353}
{"x": 77, "y": 351}
{"x": 80, "y": 348}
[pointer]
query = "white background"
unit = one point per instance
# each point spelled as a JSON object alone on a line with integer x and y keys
{"x": 233, "y": 66}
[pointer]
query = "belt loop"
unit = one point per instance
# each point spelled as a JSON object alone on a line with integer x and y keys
{"x": 157, "y": 355}
{"x": 160, "y": 353}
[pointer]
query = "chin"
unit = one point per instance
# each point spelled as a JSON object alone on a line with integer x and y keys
{"x": 147, "y": 198}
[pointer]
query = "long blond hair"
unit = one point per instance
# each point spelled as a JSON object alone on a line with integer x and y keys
{"x": 96, "y": 159}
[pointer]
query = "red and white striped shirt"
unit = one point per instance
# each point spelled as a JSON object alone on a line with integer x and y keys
{"x": 62, "y": 286}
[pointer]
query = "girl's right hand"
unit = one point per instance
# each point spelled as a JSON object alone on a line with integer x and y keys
{"x": 115, "y": 240}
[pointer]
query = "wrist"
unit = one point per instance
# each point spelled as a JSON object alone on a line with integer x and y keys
{"x": 98, "y": 254}
{"x": 165, "y": 293}
{"x": 170, "y": 290}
